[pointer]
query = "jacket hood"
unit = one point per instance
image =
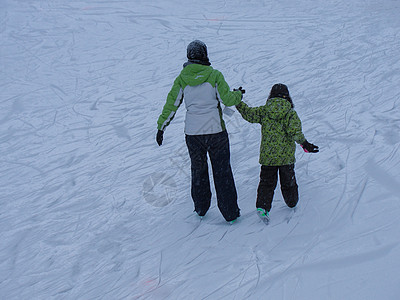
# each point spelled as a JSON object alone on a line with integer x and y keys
{"x": 277, "y": 108}
{"x": 195, "y": 74}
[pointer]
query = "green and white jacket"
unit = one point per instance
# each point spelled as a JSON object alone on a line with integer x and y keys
{"x": 203, "y": 89}
{"x": 280, "y": 129}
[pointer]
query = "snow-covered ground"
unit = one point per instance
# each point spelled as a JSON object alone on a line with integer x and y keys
{"x": 92, "y": 208}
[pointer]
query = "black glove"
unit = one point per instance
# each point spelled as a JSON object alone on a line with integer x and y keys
{"x": 159, "y": 137}
{"x": 307, "y": 147}
{"x": 240, "y": 89}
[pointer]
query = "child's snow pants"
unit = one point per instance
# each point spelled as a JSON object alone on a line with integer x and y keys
{"x": 268, "y": 181}
{"x": 217, "y": 147}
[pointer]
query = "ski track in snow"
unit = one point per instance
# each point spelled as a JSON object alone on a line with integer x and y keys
{"x": 92, "y": 208}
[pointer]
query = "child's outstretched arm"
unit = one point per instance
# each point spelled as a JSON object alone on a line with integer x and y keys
{"x": 250, "y": 114}
{"x": 294, "y": 127}
{"x": 295, "y": 130}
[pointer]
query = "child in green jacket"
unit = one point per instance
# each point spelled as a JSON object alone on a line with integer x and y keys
{"x": 280, "y": 128}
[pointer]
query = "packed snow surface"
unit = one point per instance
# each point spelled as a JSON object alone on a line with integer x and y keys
{"x": 92, "y": 208}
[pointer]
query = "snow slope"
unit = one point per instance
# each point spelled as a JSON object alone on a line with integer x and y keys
{"x": 92, "y": 208}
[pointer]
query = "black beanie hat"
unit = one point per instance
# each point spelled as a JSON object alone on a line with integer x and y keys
{"x": 197, "y": 53}
{"x": 280, "y": 90}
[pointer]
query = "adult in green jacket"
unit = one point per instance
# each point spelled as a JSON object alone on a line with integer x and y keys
{"x": 203, "y": 90}
{"x": 280, "y": 130}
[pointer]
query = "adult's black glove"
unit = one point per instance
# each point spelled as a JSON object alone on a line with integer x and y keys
{"x": 307, "y": 147}
{"x": 159, "y": 137}
{"x": 240, "y": 89}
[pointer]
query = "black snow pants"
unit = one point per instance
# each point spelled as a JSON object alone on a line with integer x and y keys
{"x": 268, "y": 181}
{"x": 217, "y": 147}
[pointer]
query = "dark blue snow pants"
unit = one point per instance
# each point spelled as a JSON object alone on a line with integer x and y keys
{"x": 268, "y": 181}
{"x": 217, "y": 147}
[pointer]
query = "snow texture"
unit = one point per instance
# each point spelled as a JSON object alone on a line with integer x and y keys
{"x": 92, "y": 208}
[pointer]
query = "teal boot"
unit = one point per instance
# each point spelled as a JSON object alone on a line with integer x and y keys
{"x": 263, "y": 214}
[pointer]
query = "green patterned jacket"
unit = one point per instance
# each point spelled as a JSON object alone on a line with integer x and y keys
{"x": 280, "y": 129}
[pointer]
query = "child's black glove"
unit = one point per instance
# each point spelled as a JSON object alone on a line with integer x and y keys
{"x": 307, "y": 147}
{"x": 240, "y": 89}
{"x": 159, "y": 137}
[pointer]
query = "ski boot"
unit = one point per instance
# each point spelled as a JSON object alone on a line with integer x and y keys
{"x": 263, "y": 214}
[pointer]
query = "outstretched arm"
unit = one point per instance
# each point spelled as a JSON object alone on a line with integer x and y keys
{"x": 174, "y": 100}
{"x": 294, "y": 128}
{"x": 250, "y": 114}
{"x": 228, "y": 97}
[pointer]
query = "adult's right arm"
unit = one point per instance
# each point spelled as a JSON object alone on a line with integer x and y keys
{"x": 174, "y": 100}
{"x": 228, "y": 97}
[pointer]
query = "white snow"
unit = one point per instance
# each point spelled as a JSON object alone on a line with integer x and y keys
{"x": 92, "y": 208}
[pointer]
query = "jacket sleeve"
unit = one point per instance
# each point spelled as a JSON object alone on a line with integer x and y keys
{"x": 294, "y": 127}
{"x": 228, "y": 97}
{"x": 250, "y": 114}
{"x": 174, "y": 100}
